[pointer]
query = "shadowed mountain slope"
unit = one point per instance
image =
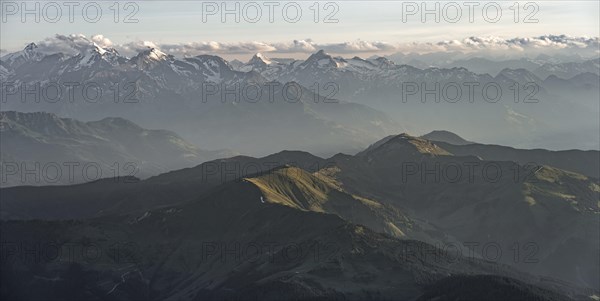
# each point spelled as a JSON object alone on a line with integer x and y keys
{"x": 108, "y": 147}
{"x": 541, "y": 208}
{"x": 405, "y": 186}
{"x": 230, "y": 245}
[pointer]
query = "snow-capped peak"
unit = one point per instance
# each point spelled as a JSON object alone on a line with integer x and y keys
{"x": 29, "y": 53}
{"x": 260, "y": 58}
{"x": 321, "y": 59}
{"x": 90, "y": 55}
{"x": 321, "y": 54}
{"x": 151, "y": 55}
{"x": 155, "y": 54}
{"x": 383, "y": 62}
{"x": 30, "y": 47}
{"x": 98, "y": 49}
{"x": 149, "y": 58}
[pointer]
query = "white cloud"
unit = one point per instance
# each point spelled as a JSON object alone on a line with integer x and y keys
{"x": 71, "y": 44}
{"x": 213, "y": 47}
{"x": 484, "y": 46}
{"x": 297, "y": 46}
{"x": 102, "y": 41}
{"x": 133, "y": 48}
{"x": 547, "y": 42}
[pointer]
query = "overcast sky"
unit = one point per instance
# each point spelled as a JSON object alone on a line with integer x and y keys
{"x": 356, "y": 27}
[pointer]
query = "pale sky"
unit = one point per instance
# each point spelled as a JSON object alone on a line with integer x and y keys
{"x": 181, "y": 22}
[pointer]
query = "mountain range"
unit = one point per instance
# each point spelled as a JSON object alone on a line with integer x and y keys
{"x": 393, "y": 221}
{"x": 541, "y": 68}
{"x": 158, "y": 177}
{"x": 201, "y": 98}
{"x": 119, "y": 147}
{"x": 67, "y": 151}
{"x": 583, "y": 162}
{"x": 355, "y": 100}
{"x": 523, "y": 105}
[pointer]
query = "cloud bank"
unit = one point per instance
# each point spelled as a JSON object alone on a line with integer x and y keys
{"x": 483, "y": 46}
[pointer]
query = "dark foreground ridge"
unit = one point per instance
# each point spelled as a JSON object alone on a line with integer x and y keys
{"x": 306, "y": 228}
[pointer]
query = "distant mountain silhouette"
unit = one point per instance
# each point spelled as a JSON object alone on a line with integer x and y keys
{"x": 445, "y": 136}
{"x": 115, "y": 146}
